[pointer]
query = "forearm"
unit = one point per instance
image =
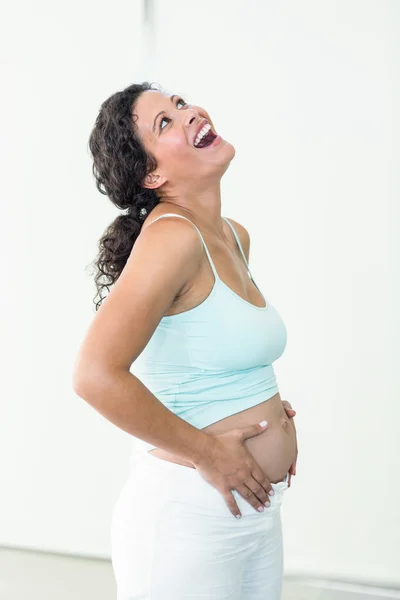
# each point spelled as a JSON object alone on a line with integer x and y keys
{"x": 127, "y": 403}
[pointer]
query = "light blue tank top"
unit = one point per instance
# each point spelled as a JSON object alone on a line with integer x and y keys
{"x": 213, "y": 360}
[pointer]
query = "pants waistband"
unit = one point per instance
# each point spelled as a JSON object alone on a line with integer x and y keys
{"x": 186, "y": 485}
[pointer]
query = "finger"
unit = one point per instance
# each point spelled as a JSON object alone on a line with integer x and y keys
{"x": 260, "y": 486}
{"x": 232, "y": 504}
{"x": 290, "y": 412}
{"x": 289, "y": 478}
{"x": 259, "y": 478}
{"x": 251, "y": 498}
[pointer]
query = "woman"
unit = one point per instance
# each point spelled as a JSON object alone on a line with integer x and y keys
{"x": 186, "y": 316}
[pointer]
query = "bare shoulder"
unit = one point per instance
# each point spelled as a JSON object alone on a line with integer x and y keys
{"x": 163, "y": 259}
{"x": 244, "y": 236}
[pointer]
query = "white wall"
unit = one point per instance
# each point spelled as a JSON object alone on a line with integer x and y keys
{"x": 61, "y": 463}
{"x": 308, "y": 93}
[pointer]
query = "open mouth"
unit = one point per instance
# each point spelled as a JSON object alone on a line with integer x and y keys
{"x": 206, "y": 140}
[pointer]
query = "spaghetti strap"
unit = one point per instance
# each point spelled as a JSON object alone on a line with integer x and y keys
{"x": 198, "y": 231}
{"x": 240, "y": 245}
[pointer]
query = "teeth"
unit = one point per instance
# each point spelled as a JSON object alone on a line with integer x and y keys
{"x": 203, "y": 131}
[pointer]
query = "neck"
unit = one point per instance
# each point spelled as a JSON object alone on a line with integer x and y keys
{"x": 203, "y": 207}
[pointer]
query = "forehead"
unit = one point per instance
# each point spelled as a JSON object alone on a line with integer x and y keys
{"x": 149, "y": 104}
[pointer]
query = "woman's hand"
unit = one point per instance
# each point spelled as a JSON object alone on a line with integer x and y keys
{"x": 291, "y": 413}
{"x": 227, "y": 464}
{"x": 288, "y": 409}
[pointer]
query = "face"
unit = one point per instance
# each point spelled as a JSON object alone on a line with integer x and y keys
{"x": 168, "y": 128}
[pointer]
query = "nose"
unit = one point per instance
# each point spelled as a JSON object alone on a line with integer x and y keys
{"x": 190, "y": 118}
{"x": 188, "y": 114}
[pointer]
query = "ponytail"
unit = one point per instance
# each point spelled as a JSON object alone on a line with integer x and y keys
{"x": 120, "y": 165}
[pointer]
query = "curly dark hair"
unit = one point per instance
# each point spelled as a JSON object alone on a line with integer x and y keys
{"x": 120, "y": 164}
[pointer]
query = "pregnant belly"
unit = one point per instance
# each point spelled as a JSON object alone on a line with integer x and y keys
{"x": 274, "y": 449}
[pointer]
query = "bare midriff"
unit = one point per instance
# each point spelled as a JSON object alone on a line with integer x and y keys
{"x": 274, "y": 449}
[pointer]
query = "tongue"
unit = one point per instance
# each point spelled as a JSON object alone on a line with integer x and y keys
{"x": 206, "y": 141}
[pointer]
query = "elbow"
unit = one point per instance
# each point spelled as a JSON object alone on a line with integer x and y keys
{"x": 77, "y": 386}
{"x": 79, "y": 383}
{"x": 91, "y": 382}
{"x": 82, "y": 378}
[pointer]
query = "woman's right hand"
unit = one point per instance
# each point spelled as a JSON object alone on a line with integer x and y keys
{"x": 227, "y": 464}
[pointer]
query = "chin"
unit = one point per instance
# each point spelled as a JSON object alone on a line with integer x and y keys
{"x": 231, "y": 148}
{"x": 230, "y": 152}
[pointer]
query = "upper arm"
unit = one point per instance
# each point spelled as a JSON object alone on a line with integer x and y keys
{"x": 165, "y": 256}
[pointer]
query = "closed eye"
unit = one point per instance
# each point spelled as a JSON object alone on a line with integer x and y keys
{"x": 180, "y": 100}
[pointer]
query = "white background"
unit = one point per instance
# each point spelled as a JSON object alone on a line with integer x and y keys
{"x": 308, "y": 93}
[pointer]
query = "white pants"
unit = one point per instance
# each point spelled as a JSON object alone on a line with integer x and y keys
{"x": 173, "y": 537}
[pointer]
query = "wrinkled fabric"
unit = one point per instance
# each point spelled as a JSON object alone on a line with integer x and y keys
{"x": 173, "y": 537}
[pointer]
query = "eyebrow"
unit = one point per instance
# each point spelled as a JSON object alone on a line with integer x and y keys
{"x": 161, "y": 112}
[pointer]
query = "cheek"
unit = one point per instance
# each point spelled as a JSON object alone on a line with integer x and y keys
{"x": 179, "y": 143}
{"x": 176, "y": 149}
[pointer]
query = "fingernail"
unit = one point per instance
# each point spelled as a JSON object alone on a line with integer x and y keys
{"x": 267, "y": 503}
{"x": 263, "y": 423}
{"x": 271, "y": 493}
{"x": 238, "y": 516}
{"x": 260, "y": 509}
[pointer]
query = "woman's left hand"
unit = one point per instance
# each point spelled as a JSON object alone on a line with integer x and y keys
{"x": 291, "y": 413}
